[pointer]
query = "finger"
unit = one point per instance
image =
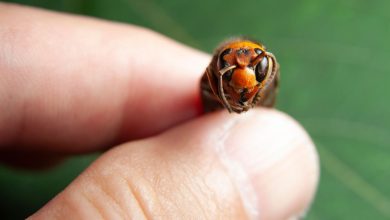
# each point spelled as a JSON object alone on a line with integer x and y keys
{"x": 76, "y": 84}
{"x": 260, "y": 165}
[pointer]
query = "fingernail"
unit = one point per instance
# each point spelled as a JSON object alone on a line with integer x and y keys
{"x": 255, "y": 144}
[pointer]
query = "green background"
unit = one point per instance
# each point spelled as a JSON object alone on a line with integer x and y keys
{"x": 335, "y": 81}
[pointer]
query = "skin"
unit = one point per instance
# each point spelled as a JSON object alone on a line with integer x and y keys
{"x": 71, "y": 85}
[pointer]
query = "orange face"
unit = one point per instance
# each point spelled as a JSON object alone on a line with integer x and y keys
{"x": 244, "y": 66}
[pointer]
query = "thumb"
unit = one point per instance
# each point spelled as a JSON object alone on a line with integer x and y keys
{"x": 258, "y": 165}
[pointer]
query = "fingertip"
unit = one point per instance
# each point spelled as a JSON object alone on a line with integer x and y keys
{"x": 267, "y": 154}
{"x": 117, "y": 80}
{"x": 280, "y": 160}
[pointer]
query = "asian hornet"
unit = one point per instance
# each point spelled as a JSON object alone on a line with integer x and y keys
{"x": 242, "y": 74}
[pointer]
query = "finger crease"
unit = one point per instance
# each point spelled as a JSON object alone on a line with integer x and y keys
{"x": 94, "y": 205}
{"x": 138, "y": 199}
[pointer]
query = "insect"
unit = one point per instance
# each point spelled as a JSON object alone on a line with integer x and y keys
{"x": 241, "y": 75}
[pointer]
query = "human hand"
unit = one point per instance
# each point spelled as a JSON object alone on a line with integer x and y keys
{"x": 71, "y": 85}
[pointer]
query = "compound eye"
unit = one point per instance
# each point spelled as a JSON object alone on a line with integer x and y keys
{"x": 261, "y": 69}
{"x": 223, "y": 64}
{"x": 258, "y": 51}
{"x": 222, "y": 61}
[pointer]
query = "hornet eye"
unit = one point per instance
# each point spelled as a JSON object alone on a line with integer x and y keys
{"x": 224, "y": 64}
{"x": 258, "y": 51}
{"x": 261, "y": 70}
